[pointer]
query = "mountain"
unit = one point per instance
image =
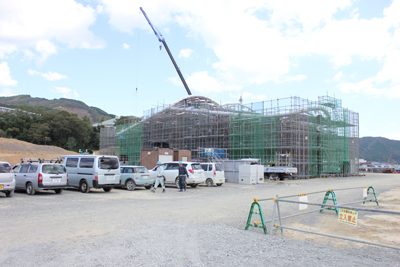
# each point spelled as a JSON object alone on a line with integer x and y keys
{"x": 70, "y": 105}
{"x": 379, "y": 149}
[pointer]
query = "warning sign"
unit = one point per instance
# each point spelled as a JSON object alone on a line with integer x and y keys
{"x": 348, "y": 216}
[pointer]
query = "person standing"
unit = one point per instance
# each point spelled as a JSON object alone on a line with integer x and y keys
{"x": 182, "y": 172}
{"x": 160, "y": 177}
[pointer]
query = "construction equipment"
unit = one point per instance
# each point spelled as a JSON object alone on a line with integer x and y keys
{"x": 162, "y": 40}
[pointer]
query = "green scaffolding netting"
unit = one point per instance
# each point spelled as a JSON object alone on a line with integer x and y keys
{"x": 129, "y": 142}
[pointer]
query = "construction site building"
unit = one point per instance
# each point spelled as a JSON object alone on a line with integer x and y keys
{"x": 317, "y": 137}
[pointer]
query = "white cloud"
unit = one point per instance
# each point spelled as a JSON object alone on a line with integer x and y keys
{"x": 258, "y": 41}
{"x": 125, "y": 46}
{"x": 202, "y": 82}
{"x": 50, "y": 76}
{"x": 337, "y": 78}
{"x": 45, "y": 48}
{"x": 7, "y": 92}
{"x": 5, "y": 77}
{"x": 297, "y": 78}
{"x": 185, "y": 53}
{"x": 28, "y": 24}
{"x": 66, "y": 92}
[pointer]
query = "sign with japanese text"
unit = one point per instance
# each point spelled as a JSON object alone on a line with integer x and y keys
{"x": 348, "y": 216}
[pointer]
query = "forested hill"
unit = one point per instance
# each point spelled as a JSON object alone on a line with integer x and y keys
{"x": 379, "y": 149}
{"x": 37, "y": 105}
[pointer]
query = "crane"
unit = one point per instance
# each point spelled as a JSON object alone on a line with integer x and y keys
{"x": 162, "y": 40}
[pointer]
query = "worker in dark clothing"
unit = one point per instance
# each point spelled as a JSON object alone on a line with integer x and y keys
{"x": 182, "y": 172}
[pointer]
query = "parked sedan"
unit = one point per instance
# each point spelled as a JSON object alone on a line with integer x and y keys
{"x": 7, "y": 181}
{"x": 134, "y": 176}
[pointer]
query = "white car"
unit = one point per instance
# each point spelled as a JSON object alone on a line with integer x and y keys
{"x": 196, "y": 173}
{"x": 214, "y": 173}
{"x": 7, "y": 181}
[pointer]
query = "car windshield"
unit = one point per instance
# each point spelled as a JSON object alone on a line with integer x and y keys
{"x": 108, "y": 163}
{"x": 196, "y": 167}
{"x": 5, "y": 168}
{"x": 141, "y": 170}
{"x": 218, "y": 167}
{"x": 53, "y": 169}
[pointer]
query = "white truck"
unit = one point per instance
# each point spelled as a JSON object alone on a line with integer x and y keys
{"x": 281, "y": 172}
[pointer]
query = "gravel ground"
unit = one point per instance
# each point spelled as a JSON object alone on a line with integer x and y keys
{"x": 199, "y": 227}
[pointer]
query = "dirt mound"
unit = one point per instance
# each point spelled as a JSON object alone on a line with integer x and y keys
{"x": 12, "y": 150}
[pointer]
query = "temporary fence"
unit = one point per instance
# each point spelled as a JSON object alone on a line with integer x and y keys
{"x": 345, "y": 213}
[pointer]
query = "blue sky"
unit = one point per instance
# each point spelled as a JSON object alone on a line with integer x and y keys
{"x": 100, "y": 51}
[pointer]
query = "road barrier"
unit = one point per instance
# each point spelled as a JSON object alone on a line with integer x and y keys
{"x": 346, "y": 214}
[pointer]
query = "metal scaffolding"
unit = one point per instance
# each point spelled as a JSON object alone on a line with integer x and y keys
{"x": 318, "y": 137}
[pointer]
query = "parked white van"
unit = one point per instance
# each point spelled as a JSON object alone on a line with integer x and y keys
{"x": 214, "y": 173}
{"x": 92, "y": 171}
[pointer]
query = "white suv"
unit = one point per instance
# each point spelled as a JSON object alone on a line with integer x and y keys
{"x": 196, "y": 173}
{"x": 40, "y": 176}
{"x": 7, "y": 181}
{"x": 214, "y": 173}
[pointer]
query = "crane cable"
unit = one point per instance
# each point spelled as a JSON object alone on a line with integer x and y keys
{"x": 135, "y": 104}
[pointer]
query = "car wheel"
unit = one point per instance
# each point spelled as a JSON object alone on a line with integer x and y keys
{"x": 84, "y": 187}
{"x": 177, "y": 182}
{"x": 10, "y": 193}
{"x": 209, "y": 182}
{"x": 58, "y": 191}
{"x": 273, "y": 176}
{"x": 194, "y": 185}
{"x": 148, "y": 187}
{"x": 219, "y": 184}
{"x": 130, "y": 185}
{"x": 29, "y": 189}
{"x": 107, "y": 189}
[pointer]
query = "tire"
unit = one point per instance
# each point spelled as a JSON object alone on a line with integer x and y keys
{"x": 273, "y": 176}
{"x": 29, "y": 189}
{"x": 194, "y": 185}
{"x": 107, "y": 189}
{"x": 84, "y": 187}
{"x": 209, "y": 182}
{"x": 219, "y": 184}
{"x": 177, "y": 182}
{"x": 10, "y": 193}
{"x": 58, "y": 191}
{"x": 148, "y": 187}
{"x": 130, "y": 185}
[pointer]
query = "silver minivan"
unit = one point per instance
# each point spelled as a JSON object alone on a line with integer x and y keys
{"x": 7, "y": 181}
{"x": 92, "y": 171}
{"x": 32, "y": 177}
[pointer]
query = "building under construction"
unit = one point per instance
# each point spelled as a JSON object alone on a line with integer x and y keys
{"x": 318, "y": 137}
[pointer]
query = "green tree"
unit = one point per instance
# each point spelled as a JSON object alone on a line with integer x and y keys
{"x": 71, "y": 143}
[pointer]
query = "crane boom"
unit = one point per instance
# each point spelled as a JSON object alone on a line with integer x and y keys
{"x": 162, "y": 40}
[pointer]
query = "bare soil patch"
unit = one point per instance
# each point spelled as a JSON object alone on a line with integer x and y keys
{"x": 12, "y": 150}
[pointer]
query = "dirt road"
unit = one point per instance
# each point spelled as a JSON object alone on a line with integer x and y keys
{"x": 201, "y": 227}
